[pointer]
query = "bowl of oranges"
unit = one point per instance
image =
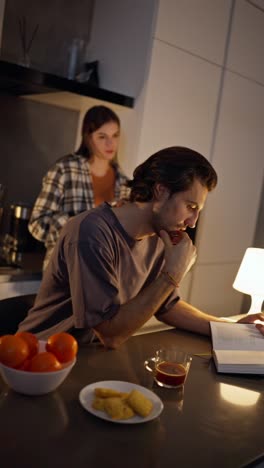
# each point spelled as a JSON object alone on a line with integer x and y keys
{"x": 34, "y": 367}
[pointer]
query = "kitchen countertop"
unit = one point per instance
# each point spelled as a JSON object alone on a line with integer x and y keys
{"x": 30, "y": 268}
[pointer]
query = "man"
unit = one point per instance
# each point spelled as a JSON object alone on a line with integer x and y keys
{"x": 113, "y": 268}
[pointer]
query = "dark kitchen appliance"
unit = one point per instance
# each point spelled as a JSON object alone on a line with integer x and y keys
{"x": 17, "y": 239}
{"x": 2, "y": 196}
{"x": 18, "y": 227}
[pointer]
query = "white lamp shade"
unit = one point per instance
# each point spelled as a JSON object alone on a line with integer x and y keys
{"x": 250, "y": 276}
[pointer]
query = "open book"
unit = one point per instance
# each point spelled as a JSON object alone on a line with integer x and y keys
{"x": 237, "y": 348}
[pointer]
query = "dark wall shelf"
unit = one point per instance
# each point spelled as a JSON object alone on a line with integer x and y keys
{"x": 18, "y": 80}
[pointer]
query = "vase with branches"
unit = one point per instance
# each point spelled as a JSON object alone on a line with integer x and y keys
{"x": 26, "y": 39}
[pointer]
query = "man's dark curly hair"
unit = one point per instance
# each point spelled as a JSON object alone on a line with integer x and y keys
{"x": 176, "y": 168}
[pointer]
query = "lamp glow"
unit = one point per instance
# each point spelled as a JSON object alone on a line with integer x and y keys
{"x": 238, "y": 396}
{"x": 250, "y": 278}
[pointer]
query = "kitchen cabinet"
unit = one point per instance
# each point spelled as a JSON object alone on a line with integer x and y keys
{"x": 49, "y": 53}
{"x": 22, "y": 81}
{"x": 106, "y": 31}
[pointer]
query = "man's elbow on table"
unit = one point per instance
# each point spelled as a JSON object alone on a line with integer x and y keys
{"x": 109, "y": 341}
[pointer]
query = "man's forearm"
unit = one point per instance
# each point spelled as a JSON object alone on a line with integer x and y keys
{"x": 183, "y": 315}
{"x": 132, "y": 315}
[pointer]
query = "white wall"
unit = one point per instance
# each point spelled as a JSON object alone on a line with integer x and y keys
{"x": 206, "y": 90}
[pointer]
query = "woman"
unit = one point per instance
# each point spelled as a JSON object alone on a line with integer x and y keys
{"x": 82, "y": 180}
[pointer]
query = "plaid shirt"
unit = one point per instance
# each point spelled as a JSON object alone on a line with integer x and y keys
{"x": 66, "y": 191}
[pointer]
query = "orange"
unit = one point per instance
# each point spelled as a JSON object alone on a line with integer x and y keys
{"x": 63, "y": 345}
{"x": 13, "y": 350}
{"x": 44, "y": 362}
{"x": 31, "y": 340}
{"x": 25, "y": 365}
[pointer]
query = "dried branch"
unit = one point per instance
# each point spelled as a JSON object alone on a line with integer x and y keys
{"x": 26, "y": 45}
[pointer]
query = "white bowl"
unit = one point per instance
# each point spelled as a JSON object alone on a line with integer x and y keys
{"x": 35, "y": 383}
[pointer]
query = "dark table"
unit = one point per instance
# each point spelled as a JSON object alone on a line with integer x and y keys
{"x": 203, "y": 430}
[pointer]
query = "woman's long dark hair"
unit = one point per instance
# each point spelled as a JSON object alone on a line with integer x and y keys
{"x": 176, "y": 168}
{"x": 94, "y": 119}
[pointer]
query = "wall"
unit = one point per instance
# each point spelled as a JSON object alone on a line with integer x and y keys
{"x": 258, "y": 242}
{"x": 33, "y": 136}
{"x": 206, "y": 90}
{"x": 259, "y": 233}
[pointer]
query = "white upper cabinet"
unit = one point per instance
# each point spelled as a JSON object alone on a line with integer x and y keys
{"x": 121, "y": 39}
{"x": 181, "y": 100}
{"x": 198, "y": 26}
{"x": 229, "y": 221}
{"x": 245, "y": 54}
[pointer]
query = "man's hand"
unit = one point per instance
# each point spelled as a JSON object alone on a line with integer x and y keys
{"x": 254, "y": 318}
{"x": 179, "y": 257}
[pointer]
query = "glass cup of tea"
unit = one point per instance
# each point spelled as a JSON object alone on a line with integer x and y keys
{"x": 169, "y": 367}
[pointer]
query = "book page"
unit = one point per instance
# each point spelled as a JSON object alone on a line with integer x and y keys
{"x": 236, "y": 336}
{"x": 255, "y": 358}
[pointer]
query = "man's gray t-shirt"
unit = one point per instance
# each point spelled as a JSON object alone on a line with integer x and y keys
{"x": 95, "y": 267}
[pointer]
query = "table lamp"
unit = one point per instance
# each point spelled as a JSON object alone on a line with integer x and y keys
{"x": 250, "y": 278}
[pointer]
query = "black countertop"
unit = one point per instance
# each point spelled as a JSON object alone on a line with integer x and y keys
{"x": 211, "y": 424}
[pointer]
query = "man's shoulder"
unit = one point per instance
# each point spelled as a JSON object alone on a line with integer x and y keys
{"x": 91, "y": 220}
{"x": 97, "y": 218}
{"x": 91, "y": 227}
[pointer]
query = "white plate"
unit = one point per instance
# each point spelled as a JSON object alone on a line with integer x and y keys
{"x": 86, "y": 397}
